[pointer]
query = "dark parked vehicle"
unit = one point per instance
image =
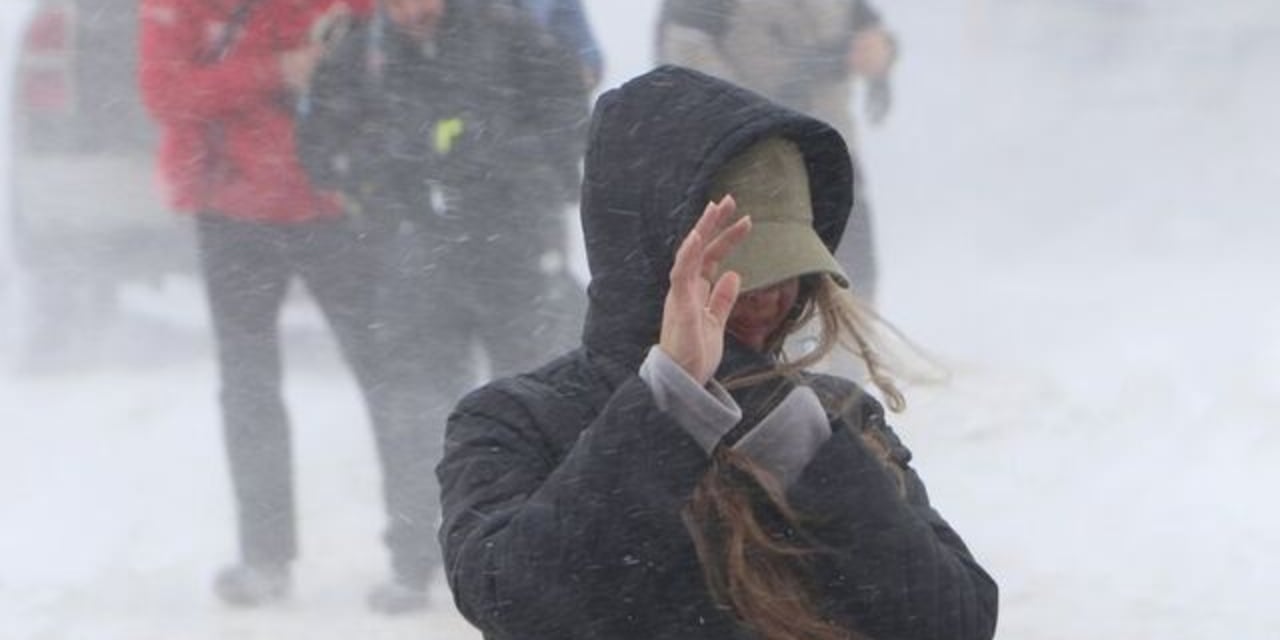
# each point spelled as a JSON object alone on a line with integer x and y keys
{"x": 87, "y": 214}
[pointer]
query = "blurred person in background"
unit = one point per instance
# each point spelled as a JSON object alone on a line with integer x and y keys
{"x": 676, "y": 476}
{"x": 453, "y": 129}
{"x": 567, "y": 21}
{"x": 221, "y": 79}
{"x": 804, "y": 54}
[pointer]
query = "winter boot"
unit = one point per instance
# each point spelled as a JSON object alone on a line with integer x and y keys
{"x": 247, "y": 585}
{"x": 397, "y": 597}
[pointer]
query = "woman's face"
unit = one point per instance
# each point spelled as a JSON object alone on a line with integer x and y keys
{"x": 758, "y": 314}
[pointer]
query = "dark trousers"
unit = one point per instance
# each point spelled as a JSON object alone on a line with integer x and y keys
{"x": 247, "y": 267}
{"x": 479, "y": 281}
{"x": 445, "y": 298}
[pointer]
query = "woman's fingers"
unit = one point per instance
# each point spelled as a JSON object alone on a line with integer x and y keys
{"x": 688, "y": 259}
{"x": 690, "y": 256}
{"x": 723, "y": 295}
{"x": 714, "y": 216}
{"x": 698, "y": 303}
{"x": 722, "y": 244}
{"x": 709, "y": 241}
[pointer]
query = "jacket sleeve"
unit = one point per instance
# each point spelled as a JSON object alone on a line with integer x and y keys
{"x": 551, "y": 131}
{"x": 570, "y": 23}
{"x": 329, "y": 125}
{"x": 176, "y": 87}
{"x": 531, "y": 542}
{"x": 890, "y": 551}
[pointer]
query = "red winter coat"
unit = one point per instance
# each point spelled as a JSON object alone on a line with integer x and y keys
{"x": 227, "y": 141}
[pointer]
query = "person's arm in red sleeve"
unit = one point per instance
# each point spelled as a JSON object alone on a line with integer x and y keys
{"x": 175, "y": 86}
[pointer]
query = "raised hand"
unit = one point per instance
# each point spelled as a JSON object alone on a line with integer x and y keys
{"x": 698, "y": 303}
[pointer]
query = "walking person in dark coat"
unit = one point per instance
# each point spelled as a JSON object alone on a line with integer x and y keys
{"x": 675, "y": 476}
{"x": 809, "y": 55}
{"x": 453, "y": 129}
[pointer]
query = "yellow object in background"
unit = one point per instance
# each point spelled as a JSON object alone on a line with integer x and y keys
{"x": 446, "y": 132}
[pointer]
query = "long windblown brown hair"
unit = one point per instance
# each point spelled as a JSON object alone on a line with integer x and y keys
{"x": 752, "y": 569}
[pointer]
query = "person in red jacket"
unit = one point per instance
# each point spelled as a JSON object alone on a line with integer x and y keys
{"x": 221, "y": 78}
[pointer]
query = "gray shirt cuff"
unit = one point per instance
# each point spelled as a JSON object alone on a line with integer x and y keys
{"x": 783, "y": 443}
{"x": 705, "y": 413}
{"x": 787, "y": 439}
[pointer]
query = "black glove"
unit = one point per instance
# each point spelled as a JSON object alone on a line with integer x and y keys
{"x": 879, "y": 99}
{"x": 756, "y": 400}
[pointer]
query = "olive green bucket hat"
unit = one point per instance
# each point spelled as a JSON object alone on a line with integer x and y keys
{"x": 771, "y": 185}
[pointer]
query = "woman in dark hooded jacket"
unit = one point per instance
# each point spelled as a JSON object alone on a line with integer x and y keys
{"x": 678, "y": 476}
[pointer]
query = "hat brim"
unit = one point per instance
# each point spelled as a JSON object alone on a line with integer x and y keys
{"x": 777, "y": 251}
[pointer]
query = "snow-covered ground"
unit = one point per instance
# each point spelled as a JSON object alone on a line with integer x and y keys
{"x": 1076, "y": 218}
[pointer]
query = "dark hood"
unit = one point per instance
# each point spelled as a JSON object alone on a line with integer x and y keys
{"x": 655, "y": 143}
